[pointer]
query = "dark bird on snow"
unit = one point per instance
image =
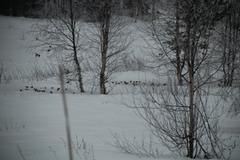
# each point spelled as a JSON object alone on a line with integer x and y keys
{"x": 37, "y": 55}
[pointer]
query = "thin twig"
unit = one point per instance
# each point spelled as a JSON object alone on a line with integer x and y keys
{"x": 66, "y": 114}
{"x": 20, "y": 151}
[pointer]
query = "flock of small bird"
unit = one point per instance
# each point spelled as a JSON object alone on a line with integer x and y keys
{"x": 136, "y": 83}
{"x": 50, "y": 90}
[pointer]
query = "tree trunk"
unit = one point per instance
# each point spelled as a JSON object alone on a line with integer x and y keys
{"x": 190, "y": 60}
{"x": 231, "y": 46}
{"x": 224, "y": 56}
{"x": 103, "y": 67}
{"x": 153, "y": 9}
{"x": 102, "y": 81}
{"x": 79, "y": 71}
{"x": 178, "y": 48}
{"x": 105, "y": 35}
{"x": 78, "y": 67}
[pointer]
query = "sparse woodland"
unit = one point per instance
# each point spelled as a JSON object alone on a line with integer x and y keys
{"x": 195, "y": 43}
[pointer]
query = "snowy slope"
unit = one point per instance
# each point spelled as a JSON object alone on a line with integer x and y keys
{"x": 32, "y": 124}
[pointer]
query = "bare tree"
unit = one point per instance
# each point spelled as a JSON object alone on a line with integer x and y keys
{"x": 229, "y": 43}
{"x": 61, "y": 36}
{"x": 183, "y": 117}
{"x": 166, "y": 40}
{"x": 179, "y": 63}
{"x": 109, "y": 39}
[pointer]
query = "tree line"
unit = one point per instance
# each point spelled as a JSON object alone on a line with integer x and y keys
{"x": 43, "y": 8}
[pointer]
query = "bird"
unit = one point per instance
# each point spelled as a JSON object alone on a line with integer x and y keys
{"x": 37, "y": 55}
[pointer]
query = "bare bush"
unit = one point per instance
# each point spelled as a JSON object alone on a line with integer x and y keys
{"x": 35, "y": 71}
{"x": 10, "y": 125}
{"x": 166, "y": 111}
{"x": 3, "y": 69}
{"x": 137, "y": 147}
{"x": 83, "y": 149}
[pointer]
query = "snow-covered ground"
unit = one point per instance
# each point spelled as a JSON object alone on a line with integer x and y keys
{"x": 32, "y": 124}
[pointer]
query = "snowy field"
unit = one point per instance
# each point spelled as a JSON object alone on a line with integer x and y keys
{"x": 32, "y": 124}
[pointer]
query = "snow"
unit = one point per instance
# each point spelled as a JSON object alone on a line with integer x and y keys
{"x": 32, "y": 124}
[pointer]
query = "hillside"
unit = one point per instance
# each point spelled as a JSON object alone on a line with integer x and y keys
{"x": 32, "y": 124}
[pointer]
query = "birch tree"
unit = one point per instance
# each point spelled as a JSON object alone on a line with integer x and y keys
{"x": 184, "y": 118}
{"x": 61, "y": 36}
{"x": 109, "y": 39}
{"x": 229, "y": 44}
